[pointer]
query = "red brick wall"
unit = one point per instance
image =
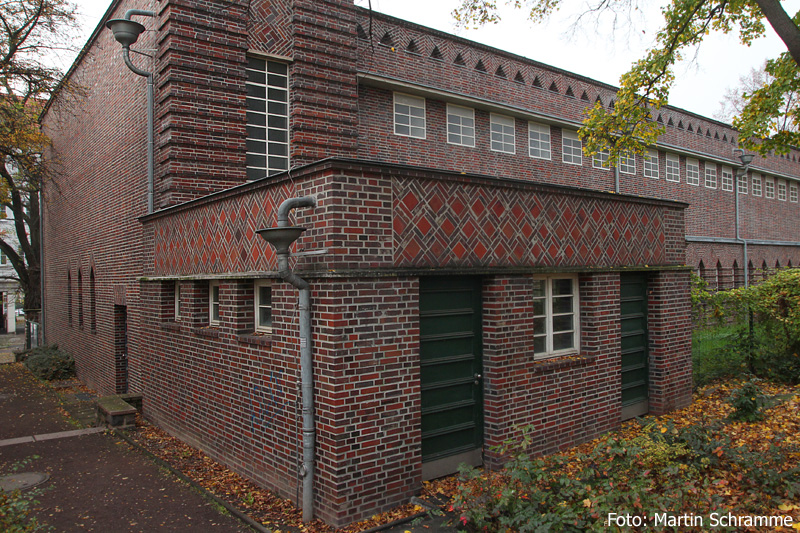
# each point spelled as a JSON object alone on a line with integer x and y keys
{"x": 670, "y": 329}
{"x": 565, "y": 401}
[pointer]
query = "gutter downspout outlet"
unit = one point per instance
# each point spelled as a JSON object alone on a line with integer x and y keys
{"x": 282, "y": 238}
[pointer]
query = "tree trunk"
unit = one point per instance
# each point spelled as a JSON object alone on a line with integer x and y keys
{"x": 783, "y": 25}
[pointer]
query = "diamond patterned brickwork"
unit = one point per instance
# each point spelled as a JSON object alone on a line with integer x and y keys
{"x": 217, "y": 236}
{"x": 463, "y": 224}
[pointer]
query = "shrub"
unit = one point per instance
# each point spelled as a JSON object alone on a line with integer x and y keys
{"x": 747, "y": 402}
{"x": 49, "y": 363}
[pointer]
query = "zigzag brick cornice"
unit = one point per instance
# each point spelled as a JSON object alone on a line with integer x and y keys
{"x": 457, "y": 224}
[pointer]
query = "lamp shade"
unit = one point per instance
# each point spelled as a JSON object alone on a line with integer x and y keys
{"x": 125, "y": 31}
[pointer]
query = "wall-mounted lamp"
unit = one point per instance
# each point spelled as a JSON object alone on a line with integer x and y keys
{"x": 126, "y": 32}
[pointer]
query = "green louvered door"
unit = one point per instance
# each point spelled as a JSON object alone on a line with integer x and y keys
{"x": 451, "y": 374}
{"x": 633, "y": 321}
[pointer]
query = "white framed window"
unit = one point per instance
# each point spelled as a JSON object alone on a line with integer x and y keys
{"x": 503, "y": 134}
{"x": 600, "y": 160}
{"x": 263, "y": 306}
{"x": 782, "y": 190}
{"x": 651, "y": 164}
{"x": 409, "y": 116}
{"x": 711, "y": 176}
{"x": 693, "y": 172}
{"x": 571, "y": 148}
{"x": 743, "y": 186}
{"x": 727, "y": 179}
{"x": 673, "y": 168}
{"x": 177, "y": 300}
{"x": 769, "y": 187}
{"x": 556, "y": 317}
{"x": 267, "y": 118}
{"x": 460, "y": 125}
{"x": 793, "y": 192}
{"x": 627, "y": 163}
{"x": 756, "y": 184}
{"x": 213, "y": 303}
{"x": 539, "y": 140}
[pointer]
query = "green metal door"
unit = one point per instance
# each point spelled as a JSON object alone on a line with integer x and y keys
{"x": 633, "y": 322}
{"x": 451, "y": 374}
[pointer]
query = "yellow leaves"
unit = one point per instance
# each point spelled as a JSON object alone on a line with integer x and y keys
{"x": 587, "y": 502}
{"x": 788, "y": 507}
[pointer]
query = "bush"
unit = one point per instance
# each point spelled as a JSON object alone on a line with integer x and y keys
{"x": 747, "y": 402}
{"x": 49, "y": 363}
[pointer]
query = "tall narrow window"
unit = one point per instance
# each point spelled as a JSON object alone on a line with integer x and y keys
{"x": 711, "y": 176}
{"x": 673, "y": 168}
{"x": 539, "y": 140}
{"x": 460, "y": 125}
{"x": 793, "y": 193}
{"x": 651, "y": 164}
{"x": 572, "y": 148}
{"x": 503, "y": 134}
{"x": 556, "y": 318}
{"x": 627, "y": 163}
{"x": 213, "y": 303}
{"x": 69, "y": 298}
{"x": 409, "y": 116}
{"x": 177, "y": 295}
{"x": 92, "y": 302}
{"x": 80, "y": 299}
{"x": 769, "y": 187}
{"x": 267, "y": 118}
{"x": 756, "y": 184}
{"x": 263, "y": 301}
{"x": 692, "y": 172}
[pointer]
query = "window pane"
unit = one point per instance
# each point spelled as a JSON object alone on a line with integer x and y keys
{"x": 539, "y": 326}
{"x": 539, "y": 345}
{"x": 562, "y": 286}
{"x": 538, "y": 307}
{"x": 563, "y": 341}
{"x": 562, "y": 323}
{"x": 562, "y": 304}
{"x": 539, "y": 289}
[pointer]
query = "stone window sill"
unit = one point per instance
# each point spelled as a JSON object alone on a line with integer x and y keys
{"x": 257, "y": 339}
{"x": 171, "y": 326}
{"x": 211, "y": 332}
{"x": 565, "y": 362}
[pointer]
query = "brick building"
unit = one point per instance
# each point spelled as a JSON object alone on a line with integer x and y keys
{"x": 470, "y": 269}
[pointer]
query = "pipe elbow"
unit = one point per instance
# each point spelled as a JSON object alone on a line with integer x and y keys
{"x": 293, "y": 203}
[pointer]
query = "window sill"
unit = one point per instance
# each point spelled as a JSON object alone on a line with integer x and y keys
{"x": 562, "y": 362}
{"x": 211, "y": 332}
{"x": 257, "y": 339}
{"x": 171, "y": 326}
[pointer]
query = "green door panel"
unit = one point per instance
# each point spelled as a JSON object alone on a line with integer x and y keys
{"x": 633, "y": 330}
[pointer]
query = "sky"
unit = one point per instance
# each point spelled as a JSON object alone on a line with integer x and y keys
{"x": 597, "y": 50}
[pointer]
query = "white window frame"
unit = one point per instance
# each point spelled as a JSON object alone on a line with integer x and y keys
{"x": 213, "y": 303}
{"x": 549, "y": 315}
{"x": 756, "y": 182}
{"x": 539, "y": 141}
{"x": 726, "y": 182}
{"x": 258, "y": 305}
{"x": 672, "y": 171}
{"x": 769, "y": 187}
{"x": 460, "y": 125}
{"x": 793, "y": 192}
{"x": 267, "y": 118}
{"x": 503, "y": 134}
{"x": 744, "y": 187}
{"x": 600, "y": 160}
{"x": 404, "y": 118}
{"x": 693, "y": 172}
{"x": 627, "y": 163}
{"x": 710, "y": 176}
{"x": 571, "y": 148}
{"x": 651, "y": 164}
{"x": 781, "y": 190}
{"x": 177, "y": 300}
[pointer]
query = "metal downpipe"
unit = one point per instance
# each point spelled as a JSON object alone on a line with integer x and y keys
{"x": 306, "y": 359}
